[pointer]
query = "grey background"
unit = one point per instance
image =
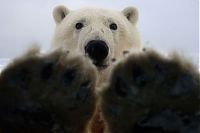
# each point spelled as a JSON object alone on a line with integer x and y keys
{"x": 167, "y": 25}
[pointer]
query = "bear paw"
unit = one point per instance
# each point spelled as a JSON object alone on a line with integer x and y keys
{"x": 51, "y": 93}
{"x": 150, "y": 93}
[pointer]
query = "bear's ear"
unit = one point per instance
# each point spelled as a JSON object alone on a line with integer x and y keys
{"x": 131, "y": 13}
{"x": 59, "y": 13}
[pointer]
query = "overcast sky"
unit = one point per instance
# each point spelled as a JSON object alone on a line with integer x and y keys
{"x": 166, "y": 25}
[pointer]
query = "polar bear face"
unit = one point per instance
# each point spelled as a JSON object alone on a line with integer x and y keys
{"x": 100, "y": 34}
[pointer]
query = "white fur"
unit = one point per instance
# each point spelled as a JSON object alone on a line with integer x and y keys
{"x": 96, "y": 27}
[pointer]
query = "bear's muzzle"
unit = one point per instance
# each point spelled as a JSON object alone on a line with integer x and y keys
{"x": 97, "y": 50}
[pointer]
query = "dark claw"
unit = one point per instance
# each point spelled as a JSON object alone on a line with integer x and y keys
{"x": 84, "y": 91}
{"x": 121, "y": 87}
{"x": 68, "y": 77}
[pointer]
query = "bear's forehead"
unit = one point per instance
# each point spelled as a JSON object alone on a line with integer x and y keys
{"x": 94, "y": 13}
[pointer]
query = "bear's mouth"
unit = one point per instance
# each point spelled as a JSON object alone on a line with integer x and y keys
{"x": 100, "y": 65}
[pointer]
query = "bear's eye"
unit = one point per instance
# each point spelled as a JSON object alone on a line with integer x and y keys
{"x": 113, "y": 26}
{"x": 79, "y": 26}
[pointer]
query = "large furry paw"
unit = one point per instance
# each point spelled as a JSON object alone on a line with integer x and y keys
{"x": 51, "y": 93}
{"x": 150, "y": 93}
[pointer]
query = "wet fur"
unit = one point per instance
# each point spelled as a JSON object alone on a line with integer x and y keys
{"x": 62, "y": 92}
{"x": 150, "y": 84}
{"x": 47, "y": 93}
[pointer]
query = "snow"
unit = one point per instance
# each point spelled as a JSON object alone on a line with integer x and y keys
{"x": 3, "y": 63}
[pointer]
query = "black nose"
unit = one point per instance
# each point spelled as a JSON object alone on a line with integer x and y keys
{"x": 97, "y": 50}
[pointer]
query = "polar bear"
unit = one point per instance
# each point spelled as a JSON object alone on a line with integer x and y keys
{"x": 55, "y": 92}
{"x": 103, "y": 35}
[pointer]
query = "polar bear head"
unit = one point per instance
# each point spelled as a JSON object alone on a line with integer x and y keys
{"x": 100, "y": 34}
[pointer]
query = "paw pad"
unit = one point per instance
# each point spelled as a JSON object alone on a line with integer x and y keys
{"x": 121, "y": 88}
{"x": 168, "y": 122}
{"x": 139, "y": 76}
{"x": 84, "y": 91}
{"x": 185, "y": 84}
{"x": 154, "y": 95}
{"x": 19, "y": 78}
{"x": 68, "y": 77}
{"x": 47, "y": 70}
{"x": 55, "y": 106}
